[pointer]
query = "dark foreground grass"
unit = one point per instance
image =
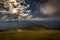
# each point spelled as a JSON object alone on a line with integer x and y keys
{"x": 30, "y": 35}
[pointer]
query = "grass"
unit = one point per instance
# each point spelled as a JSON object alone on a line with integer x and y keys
{"x": 30, "y": 35}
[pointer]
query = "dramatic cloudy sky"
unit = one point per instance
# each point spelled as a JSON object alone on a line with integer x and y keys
{"x": 45, "y": 8}
{"x": 46, "y": 12}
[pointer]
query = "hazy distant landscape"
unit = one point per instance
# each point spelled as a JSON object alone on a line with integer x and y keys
{"x": 22, "y": 24}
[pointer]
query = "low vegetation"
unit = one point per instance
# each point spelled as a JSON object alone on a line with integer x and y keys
{"x": 30, "y": 35}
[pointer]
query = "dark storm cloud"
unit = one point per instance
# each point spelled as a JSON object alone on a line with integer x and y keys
{"x": 35, "y": 7}
{"x": 50, "y": 7}
{"x": 50, "y": 10}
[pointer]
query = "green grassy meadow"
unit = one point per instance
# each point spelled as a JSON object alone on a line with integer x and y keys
{"x": 30, "y": 35}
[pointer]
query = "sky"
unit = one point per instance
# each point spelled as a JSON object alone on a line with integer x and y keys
{"x": 46, "y": 12}
{"x": 45, "y": 8}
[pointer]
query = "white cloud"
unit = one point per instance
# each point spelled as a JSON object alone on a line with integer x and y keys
{"x": 48, "y": 10}
{"x": 45, "y": 19}
{"x": 51, "y": 7}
